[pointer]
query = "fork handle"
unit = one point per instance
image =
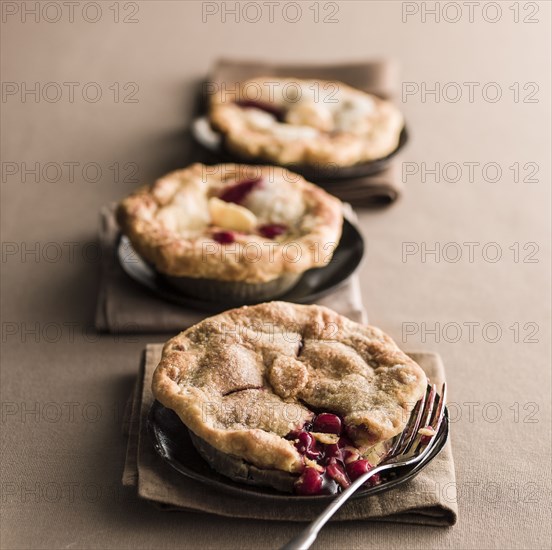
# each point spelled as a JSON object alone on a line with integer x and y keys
{"x": 305, "y": 538}
{"x": 302, "y": 541}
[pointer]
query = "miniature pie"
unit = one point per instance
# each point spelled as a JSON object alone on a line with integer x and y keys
{"x": 232, "y": 231}
{"x": 306, "y": 122}
{"x": 296, "y": 397}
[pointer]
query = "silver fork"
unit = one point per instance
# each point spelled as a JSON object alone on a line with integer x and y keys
{"x": 409, "y": 448}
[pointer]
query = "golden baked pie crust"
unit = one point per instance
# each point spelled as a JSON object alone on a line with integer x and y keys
{"x": 382, "y": 126}
{"x": 201, "y": 257}
{"x": 246, "y": 378}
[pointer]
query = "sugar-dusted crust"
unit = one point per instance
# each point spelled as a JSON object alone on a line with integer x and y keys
{"x": 169, "y": 224}
{"x": 324, "y": 122}
{"x": 244, "y": 379}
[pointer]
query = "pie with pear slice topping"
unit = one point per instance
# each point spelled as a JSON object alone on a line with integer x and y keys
{"x": 233, "y": 223}
{"x": 306, "y": 122}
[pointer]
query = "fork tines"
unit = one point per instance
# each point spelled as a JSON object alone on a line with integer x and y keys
{"x": 424, "y": 414}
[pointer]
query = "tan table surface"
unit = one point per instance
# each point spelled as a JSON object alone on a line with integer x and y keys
{"x": 63, "y": 387}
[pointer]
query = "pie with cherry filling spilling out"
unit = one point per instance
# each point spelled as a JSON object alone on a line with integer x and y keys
{"x": 294, "y": 397}
{"x": 232, "y": 231}
{"x": 306, "y": 122}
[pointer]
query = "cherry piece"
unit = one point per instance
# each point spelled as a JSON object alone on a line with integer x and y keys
{"x": 327, "y": 423}
{"x": 238, "y": 191}
{"x": 357, "y": 468}
{"x": 309, "y": 483}
{"x": 333, "y": 451}
{"x": 425, "y": 439}
{"x": 224, "y": 237}
{"x": 336, "y": 471}
{"x": 272, "y": 230}
{"x": 374, "y": 480}
{"x": 344, "y": 441}
{"x": 276, "y": 112}
{"x": 307, "y": 445}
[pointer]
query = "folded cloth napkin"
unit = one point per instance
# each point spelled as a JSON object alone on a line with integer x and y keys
{"x": 377, "y": 77}
{"x": 124, "y": 306}
{"x": 422, "y": 500}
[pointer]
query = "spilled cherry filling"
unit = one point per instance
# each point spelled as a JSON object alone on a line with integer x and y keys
{"x": 332, "y": 461}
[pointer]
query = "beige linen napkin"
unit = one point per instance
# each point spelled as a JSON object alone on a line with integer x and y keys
{"x": 124, "y": 306}
{"x": 420, "y": 501}
{"x": 378, "y": 77}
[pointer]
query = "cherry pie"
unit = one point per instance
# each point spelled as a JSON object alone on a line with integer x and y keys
{"x": 295, "y": 397}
